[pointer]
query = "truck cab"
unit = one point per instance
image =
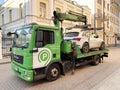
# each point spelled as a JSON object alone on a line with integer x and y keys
{"x": 35, "y": 46}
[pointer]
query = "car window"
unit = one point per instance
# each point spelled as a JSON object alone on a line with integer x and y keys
{"x": 71, "y": 34}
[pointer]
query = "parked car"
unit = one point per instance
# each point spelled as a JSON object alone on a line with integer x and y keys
{"x": 86, "y": 40}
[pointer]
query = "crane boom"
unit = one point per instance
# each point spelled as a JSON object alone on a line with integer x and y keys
{"x": 70, "y": 16}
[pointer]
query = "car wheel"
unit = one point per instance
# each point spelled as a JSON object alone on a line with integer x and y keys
{"x": 85, "y": 47}
{"x": 102, "y": 46}
{"x": 53, "y": 72}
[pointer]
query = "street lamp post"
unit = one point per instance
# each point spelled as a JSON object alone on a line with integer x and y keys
{"x": 94, "y": 22}
{"x": 0, "y": 43}
{"x": 103, "y": 22}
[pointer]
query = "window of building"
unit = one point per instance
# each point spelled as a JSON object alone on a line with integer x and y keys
{"x": 107, "y": 24}
{"x": 112, "y": 10}
{"x": 103, "y": 3}
{"x": 112, "y": 0}
{"x": 111, "y": 29}
{"x": 58, "y": 9}
{"x": 117, "y": 13}
{"x": 108, "y": 7}
{"x": 111, "y": 19}
{"x": 99, "y": 12}
{"x": 2, "y": 19}
{"x": 117, "y": 21}
{"x": 21, "y": 10}
{"x": 114, "y": 19}
{"x": 10, "y": 15}
{"x": 99, "y": 1}
{"x": 42, "y": 10}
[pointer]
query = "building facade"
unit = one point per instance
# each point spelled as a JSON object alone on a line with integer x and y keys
{"x": 107, "y": 15}
{"x": 15, "y": 13}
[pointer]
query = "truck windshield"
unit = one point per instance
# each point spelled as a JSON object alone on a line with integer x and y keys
{"x": 22, "y": 38}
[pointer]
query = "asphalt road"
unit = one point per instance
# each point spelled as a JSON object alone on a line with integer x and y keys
{"x": 101, "y": 77}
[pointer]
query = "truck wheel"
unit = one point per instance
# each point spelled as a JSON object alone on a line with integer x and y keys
{"x": 53, "y": 72}
{"x": 85, "y": 47}
{"x": 96, "y": 60}
{"x": 102, "y": 46}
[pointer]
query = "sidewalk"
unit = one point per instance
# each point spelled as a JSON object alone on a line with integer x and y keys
{"x": 5, "y": 60}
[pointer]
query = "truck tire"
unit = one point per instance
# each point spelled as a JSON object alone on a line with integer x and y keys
{"x": 53, "y": 72}
{"x": 96, "y": 60}
{"x": 85, "y": 47}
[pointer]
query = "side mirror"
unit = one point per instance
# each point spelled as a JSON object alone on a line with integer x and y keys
{"x": 9, "y": 34}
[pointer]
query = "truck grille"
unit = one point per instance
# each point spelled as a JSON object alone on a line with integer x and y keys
{"x": 18, "y": 58}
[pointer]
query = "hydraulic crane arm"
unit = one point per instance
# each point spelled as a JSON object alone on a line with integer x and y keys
{"x": 85, "y": 27}
{"x": 70, "y": 16}
{"x": 79, "y": 26}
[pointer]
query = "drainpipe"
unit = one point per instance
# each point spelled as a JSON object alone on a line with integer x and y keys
{"x": 0, "y": 43}
{"x": 103, "y": 22}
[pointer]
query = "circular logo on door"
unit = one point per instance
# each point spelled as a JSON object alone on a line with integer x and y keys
{"x": 45, "y": 55}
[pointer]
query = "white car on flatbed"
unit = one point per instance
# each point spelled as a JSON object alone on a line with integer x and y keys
{"x": 85, "y": 39}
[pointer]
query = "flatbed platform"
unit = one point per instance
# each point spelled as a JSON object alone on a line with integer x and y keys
{"x": 90, "y": 53}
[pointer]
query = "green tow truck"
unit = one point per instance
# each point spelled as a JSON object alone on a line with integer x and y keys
{"x": 39, "y": 51}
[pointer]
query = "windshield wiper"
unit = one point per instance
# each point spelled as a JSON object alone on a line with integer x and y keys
{"x": 25, "y": 46}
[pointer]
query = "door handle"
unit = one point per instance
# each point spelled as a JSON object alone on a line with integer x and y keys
{"x": 33, "y": 51}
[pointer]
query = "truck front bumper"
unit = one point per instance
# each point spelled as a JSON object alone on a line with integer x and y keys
{"x": 25, "y": 74}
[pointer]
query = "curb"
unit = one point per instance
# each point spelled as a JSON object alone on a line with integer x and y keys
{"x": 5, "y": 62}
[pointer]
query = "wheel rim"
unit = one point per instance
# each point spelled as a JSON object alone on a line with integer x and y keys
{"x": 54, "y": 72}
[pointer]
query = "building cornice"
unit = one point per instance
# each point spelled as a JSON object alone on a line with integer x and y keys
{"x": 73, "y": 3}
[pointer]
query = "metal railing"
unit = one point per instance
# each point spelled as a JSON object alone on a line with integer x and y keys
{"x": 6, "y": 44}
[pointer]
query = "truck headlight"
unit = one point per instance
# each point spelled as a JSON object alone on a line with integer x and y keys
{"x": 27, "y": 73}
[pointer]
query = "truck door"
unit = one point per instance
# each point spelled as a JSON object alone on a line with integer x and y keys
{"x": 43, "y": 56}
